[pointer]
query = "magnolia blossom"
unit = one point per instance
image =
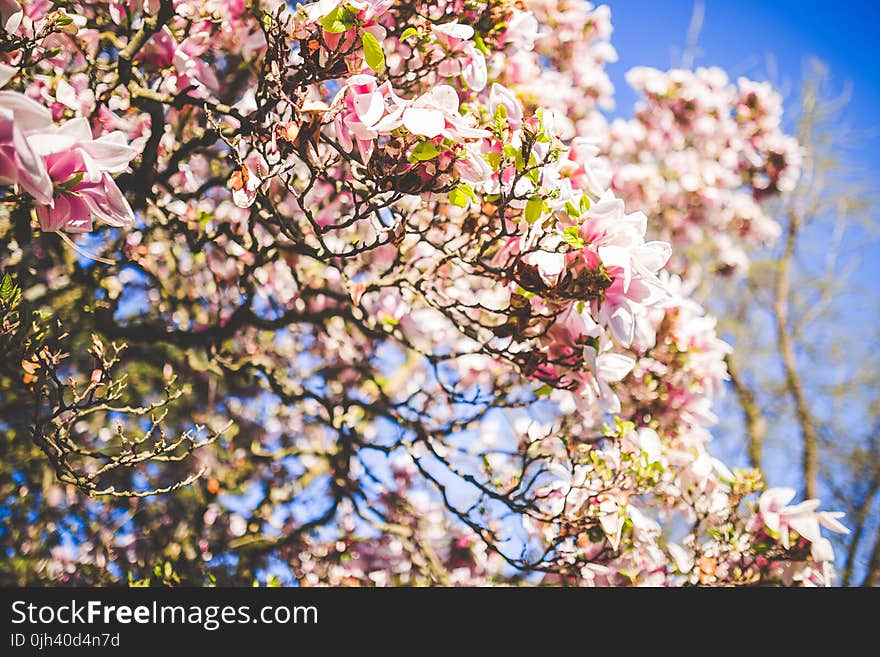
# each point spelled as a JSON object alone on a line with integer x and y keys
{"x": 433, "y": 114}
{"x": 63, "y": 168}
{"x": 617, "y": 241}
{"x": 187, "y": 68}
{"x": 802, "y": 518}
{"x": 80, "y": 167}
{"x": 522, "y": 30}
{"x": 20, "y": 162}
{"x": 704, "y": 153}
{"x": 369, "y": 110}
{"x": 460, "y": 55}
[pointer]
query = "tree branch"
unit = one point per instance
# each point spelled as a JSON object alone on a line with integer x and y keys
{"x": 793, "y": 382}
{"x": 756, "y": 423}
{"x": 858, "y": 530}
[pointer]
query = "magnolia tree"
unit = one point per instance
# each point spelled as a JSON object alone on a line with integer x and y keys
{"x": 370, "y": 292}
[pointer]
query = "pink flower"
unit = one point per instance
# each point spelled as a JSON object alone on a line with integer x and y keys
{"x": 607, "y": 368}
{"x": 617, "y": 241}
{"x": 522, "y": 30}
{"x": 370, "y": 110}
{"x": 184, "y": 60}
{"x": 20, "y": 163}
{"x": 461, "y": 56}
{"x": 436, "y": 112}
{"x": 108, "y": 154}
{"x": 364, "y": 104}
{"x": 80, "y": 168}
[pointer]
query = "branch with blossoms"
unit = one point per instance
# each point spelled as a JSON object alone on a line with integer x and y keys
{"x": 366, "y": 233}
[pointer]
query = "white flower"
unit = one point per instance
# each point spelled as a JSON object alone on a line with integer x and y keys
{"x": 802, "y": 518}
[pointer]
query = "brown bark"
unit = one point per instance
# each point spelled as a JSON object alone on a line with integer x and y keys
{"x": 756, "y": 423}
{"x": 858, "y": 530}
{"x": 872, "y": 578}
{"x": 794, "y": 384}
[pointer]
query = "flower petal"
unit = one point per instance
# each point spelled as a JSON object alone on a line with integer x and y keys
{"x": 425, "y": 122}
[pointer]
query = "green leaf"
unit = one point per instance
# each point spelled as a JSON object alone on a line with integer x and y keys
{"x": 373, "y": 52}
{"x": 500, "y": 119}
{"x": 572, "y": 211}
{"x": 571, "y": 236}
{"x": 458, "y": 198}
{"x": 494, "y": 159}
{"x": 542, "y": 135}
{"x": 71, "y": 182}
{"x": 585, "y": 204}
{"x": 461, "y": 194}
{"x": 338, "y": 20}
{"x": 7, "y": 289}
{"x": 534, "y": 209}
{"x": 467, "y": 189}
{"x": 408, "y": 32}
{"x": 481, "y": 45}
{"x": 424, "y": 151}
{"x": 543, "y": 390}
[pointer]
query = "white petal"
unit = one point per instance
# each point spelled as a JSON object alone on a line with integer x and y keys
{"x": 829, "y": 520}
{"x": 369, "y": 107}
{"x": 425, "y": 122}
{"x": 774, "y": 499}
{"x": 442, "y": 97}
{"x": 806, "y": 526}
{"x": 390, "y": 121}
{"x": 549, "y": 265}
{"x": 455, "y": 30}
{"x": 616, "y": 256}
{"x": 613, "y": 367}
{"x": 110, "y": 152}
{"x": 6, "y": 73}
{"x": 28, "y": 114}
{"x": 822, "y": 550}
{"x": 771, "y": 520}
{"x": 683, "y": 559}
{"x": 622, "y": 325}
{"x": 807, "y": 506}
{"x": 653, "y": 255}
